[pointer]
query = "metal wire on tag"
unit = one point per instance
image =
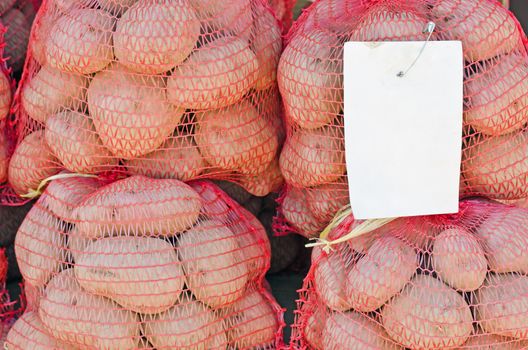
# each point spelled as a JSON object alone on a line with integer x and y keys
{"x": 429, "y": 29}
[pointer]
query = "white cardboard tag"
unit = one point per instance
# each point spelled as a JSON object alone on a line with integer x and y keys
{"x": 403, "y": 135}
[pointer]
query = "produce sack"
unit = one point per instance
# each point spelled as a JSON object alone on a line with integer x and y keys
{"x": 439, "y": 282}
{"x": 495, "y": 137}
{"x": 143, "y": 263}
{"x": 181, "y": 89}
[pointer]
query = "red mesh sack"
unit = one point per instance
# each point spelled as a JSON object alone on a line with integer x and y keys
{"x": 168, "y": 89}
{"x": 438, "y": 282}
{"x": 143, "y": 263}
{"x": 495, "y": 139}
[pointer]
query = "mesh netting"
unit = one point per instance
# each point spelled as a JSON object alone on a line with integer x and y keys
{"x": 438, "y": 282}
{"x": 167, "y": 89}
{"x": 495, "y": 139}
{"x": 143, "y": 263}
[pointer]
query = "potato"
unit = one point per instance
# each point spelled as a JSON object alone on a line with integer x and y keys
{"x": 236, "y": 138}
{"x": 177, "y": 158}
{"x": 497, "y": 98}
{"x": 130, "y": 112}
{"x": 39, "y": 246}
{"x": 269, "y": 104}
{"x": 314, "y": 157}
{"x": 138, "y": 205}
{"x": 4, "y": 157}
{"x": 504, "y": 238}
{"x": 216, "y": 75}
{"x": 81, "y": 41}
{"x": 459, "y": 260}
{"x": 354, "y": 331}
{"x": 427, "y": 314}
{"x": 41, "y": 31}
{"x": 116, "y": 7}
{"x": 214, "y": 264}
{"x": 493, "y": 342}
{"x": 77, "y": 243}
{"x": 252, "y": 322}
{"x": 63, "y": 195}
{"x": 263, "y": 184}
{"x": 28, "y": 332}
{"x": 16, "y": 38}
{"x": 385, "y": 269}
{"x": 154, "y": 37}
{"x": 142, "y": 274}
{"x": 230, "y": 16}
{"x": 50, "y": 91}
{"x": 327, "y": 200}
{"x": 503, "y": 304}
{"x": 295, "y": 210}
{"x": 310, "y": 76}
{"x": 75, "y": 316}
{"x": 384, "y": 24}
{"x": 73, "y": 139}
{"x": 5, "y": 95}
{"x": 496, "y": 167}
{"x": 189, "y": 325}
{"x": 485, "y": 28}
{"x": 266, "y": 43}
{"x": 330, "y": 276}
{"x": 31, "y": 163}
{"x": 313, "y": 331}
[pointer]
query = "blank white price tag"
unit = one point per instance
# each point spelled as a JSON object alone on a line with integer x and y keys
{"x": 403, "y": 134}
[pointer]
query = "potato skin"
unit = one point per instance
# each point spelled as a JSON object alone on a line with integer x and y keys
{"x": 4, "y": 157}
{"x": 295, "y": 210}
{"x": 445, "y": 317}
{"x": 5, "y": 95}
{"x": 493, "y": 342}
{"x": 459, "y": 260}
{"x": 502, "y": 305}
{"x": 72, "y": 315}
{"x": 214, "y": 264}
{"x": 127, "y": 206}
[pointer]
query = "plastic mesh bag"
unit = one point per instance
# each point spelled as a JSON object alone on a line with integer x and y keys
{"x": 495, "y": 155}
{"x": 438, "y": 282}
{"x": 168, "y": 89}
{"x": 143, "y": 263}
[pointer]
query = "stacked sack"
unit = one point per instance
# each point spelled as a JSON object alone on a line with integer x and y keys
{"x": 142, "y": 263}
{"x": 167, "y": 89}
{"x": 439, "y": 282}
{"x": 495, "y": 139}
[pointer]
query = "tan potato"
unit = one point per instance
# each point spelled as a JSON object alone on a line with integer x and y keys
{"x": 73, "y": 139}
{"x": 236, "y": 138}
{"x": 427, "y": 314}
{"x": 116, "y": 7}
{"x": 75, "y": 316}
{"x": 313, "y": 331}
{"x": 65, "y": 6}
{"x": 504, "y": 238}
{"x": 231, "y": 16}
{"x": 189, "y": 325}
{"x": 295, "y": 210}
{"x": 459, "y": 260}
{"x": 50, "y": 91}
{"x": 354, "y": 331}
{"x": 77, "y": 243}
{"x": 493, "y": 342}
{"x": 142, "y": 274}
{"x": 314, "y": 157}
{"x": 266, "y": 43}
{"x": 252, "y": 322}
{"x": 214, "y": 264}
{"x": 28, "y": 332}
{"x": 81, "y": 41}
{"x": 503, "y": 305}
{"x": 39, "y": 246}
{"x": 177, "y": 158}
{"x": 216, "y": 75}
{"x": 154, "y": 37}
{"x": 269, "y": 104}
{"x": 139, "y": 205}
{"x": 330, "y": 277}
{"x": 263, "y": 184}
{"x": 496, "y": 167}
{"x": 485, "y": 28}
{"x": 41, "y": 31}
{"x": 31, "y": 163}
{"x": 130, "y": 112}
{"x": 310, "y": 76}
{"x": 4, "y": 157}
{"x": 385, "y": 269}
{"x": 497, "y": 98}
{"x": 5, "y": 95}
{"x": 327, "y": 200}
{"x": 16, "y": 38}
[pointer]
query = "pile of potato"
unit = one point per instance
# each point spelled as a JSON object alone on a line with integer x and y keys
{"x": 495, "y": 156}
{"x": 142, "y": 263}
{"x": 424, "y": 283}
{"x": 167, "y": 89}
